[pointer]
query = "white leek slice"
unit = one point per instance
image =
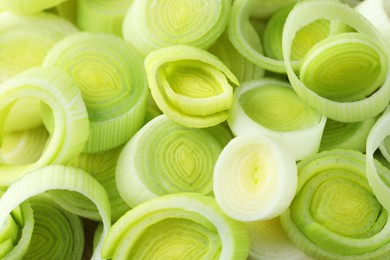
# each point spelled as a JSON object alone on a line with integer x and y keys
{"x": 255, "y": 178}
{"x": 164, "y": 157}
{"x": 112, "y": 80}
{"x": 56, "y": 177}
{"x": 28, "y": 7}
{"x": 25, "y": 115}
{"x": 101, "y": 15}
{"x": 270, "y": 107}
{"x": 57, "y": 233}
{"x": 353, "y": 110}
{"x": 150, "y": 24}
{"x": 177, "y": 226}
{"x": 190, "y": 85}
{"x": 335, "y": 214}
{"x": 70, "y": 130}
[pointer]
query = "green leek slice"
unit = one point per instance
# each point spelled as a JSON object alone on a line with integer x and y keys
{"x": 67, "y": 10}
{"x": 367, "y": 39}
{"x": 164, "y": 157}
{"x": 28, "y": 7}
{"x": 190, "y": 85}
{"x": 55, "y": 177}
{"x": 177, "y": 226}
{"x": 70, "y": 128}
{"x": 112, "y": 80}
{"x": 255, "y": 178}
{"x": 270, "y": 106}
{"x": 335, "y": 214}
{"x": 150, "y": 25}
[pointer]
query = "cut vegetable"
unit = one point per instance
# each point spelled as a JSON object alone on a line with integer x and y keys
{"x": 28, "y": 7}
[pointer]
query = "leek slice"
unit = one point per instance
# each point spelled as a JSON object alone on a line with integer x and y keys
{"x": 70, "y": 128}
{"x": 102, "y": 16}
{"x": 112, "y": 80}
{"x": 67, "y": 10}
{"x": 28, "y": 7}
{"x": 335, "y": 214}
{"x": 177, "y": 226}
{"x": 55, "y": 177}
{"x": 190, "y": 85}
{"x": 164, "y": 157}
{"x": 270, "y": 106}
{"x": 369, "y": 40}
{"x": 150, "y": 25}
{"x": 57, "y": 233}
{"x": 255, "y": 178}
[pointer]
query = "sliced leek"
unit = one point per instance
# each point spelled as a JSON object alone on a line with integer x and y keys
{"x": 335, "y": 214}
{"x": 164, "y": 157}
{"x": 112, "y": 80}
{"x": 28, "y": 7}
{"x": 150, "y": 25}
{"x": 178, "y": 226}
{"x": 56, "y": 177}
{"x": 323, "y": 67}
{"x": 255, "y": 178}
{"x": 190, "y": 85}
{"x": 63, "y": 98}
{"x": 270, "y": 107}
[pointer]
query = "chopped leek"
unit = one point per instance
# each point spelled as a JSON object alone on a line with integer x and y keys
{"x": 28, "y": 7}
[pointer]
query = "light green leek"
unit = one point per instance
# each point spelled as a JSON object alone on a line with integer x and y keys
{"x": 178, "y": 226}
{"x": 255, "y": 178}
{"x": 28, "y": 7}
{"x": 62, "y": 97}
{"x": 339, "y": 62}
{"x": 112, "y": 80}
{"x": 335, "y": 214}
{"x": 190, "y": 85}
{"x": 67, "y": 10}
{"x": 150, "y": 25}
{"x": 270, "y": 107}
{"x": 164, "y": 157}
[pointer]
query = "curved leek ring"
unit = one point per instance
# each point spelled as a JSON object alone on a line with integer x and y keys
{"x": 271, "y": 107}
{"x": 255, "y": 178}
{"x": 57, "y": 233}
{"x": 70, "y": 129}
{"x": 335, "y": 214}
{"x": 58, "y": 177}
{"x": 309, "y": 11}
{"x": 183, "y": 226}
{"x": 150, "y": 25}
{"x": 190, "y": 85}
{"x": 112, "y": 80}
{"x": 28, "y": 7}
{"x": 164, "y": 157}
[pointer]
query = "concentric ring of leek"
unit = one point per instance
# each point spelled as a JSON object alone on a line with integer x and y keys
{"x": 335, "y": 214}
{"x": 26, "y": 39}
{"x": 57, "y": 177}
{"x": 112, "y": 80}
{"x": 101, "y": 15}
{"x": 102, "y": 167}
{"x": 177, "y": 226}
{"x": 57, "y": 233}
{"x": 339, "y": 107}
{"x": 164, "y": 157}
{"x": 150, "y": 25}
{"x": 255, "y": 178}
{"x": 28, "y": 7}
{"x": 61, "y": 96}
{"x": 16, "y": 232}
{"x": 190, "y": 85}
{"x": 270, "y": 106}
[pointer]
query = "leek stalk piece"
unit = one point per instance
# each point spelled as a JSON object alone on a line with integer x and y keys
{"x": 28, "y": 7}
{"x": 335, "y": 214}
{"x": 190, "y": 85}
{"x": 177, "y": 226}
{"x": 67, "y": 10}
{"x": 62, "y": 97}
{"x": 112, "y": 80}
{"x": 57, "y": 233}
{"x": 255, "y": 178}
{"x": 102, "y": 16}
{"x": 269, "y": 106}
{"x": 151, "y": 25}
{"x": 164, "y": 157}
{"x": 362, "y": 56}
{"x": 56, "y": 177}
